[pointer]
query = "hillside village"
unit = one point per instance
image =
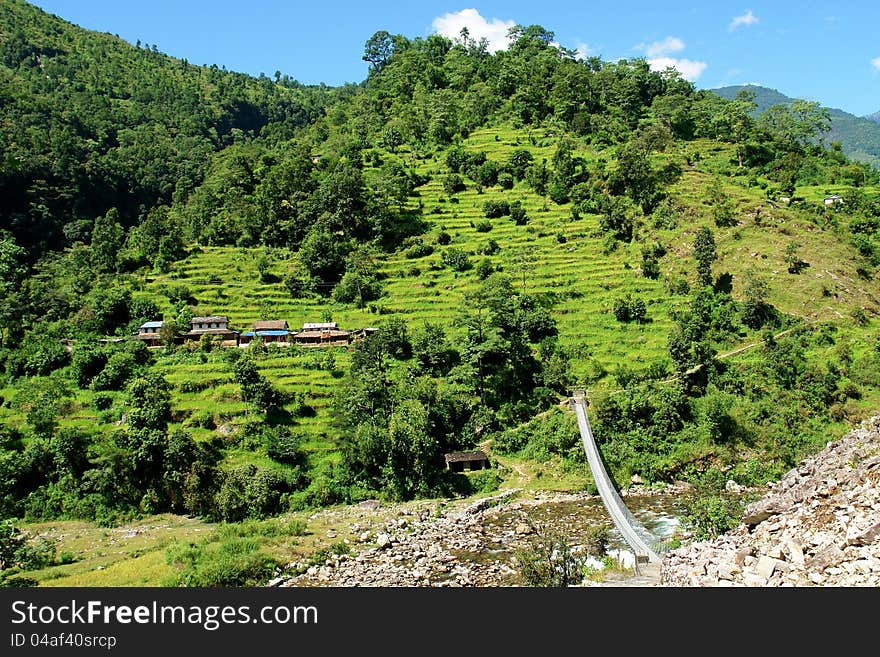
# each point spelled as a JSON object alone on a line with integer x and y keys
{"x": 217, "y": 329}
{"x": 480, "y": 234}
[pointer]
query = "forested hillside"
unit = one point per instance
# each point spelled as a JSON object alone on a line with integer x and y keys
{"x": 92, "y": 124}
{"x": 859, "y": 137}
{"x": 515, "y": 225}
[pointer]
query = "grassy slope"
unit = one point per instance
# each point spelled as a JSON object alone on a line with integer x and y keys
{"x": 580, "y": 277}
{"x": 584, "y": 279}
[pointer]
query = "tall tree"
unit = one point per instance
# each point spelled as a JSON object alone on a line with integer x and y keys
{"x": 735, "y": 120}
{"x": 378, "y": 50}
{"x": 705, "y": 255}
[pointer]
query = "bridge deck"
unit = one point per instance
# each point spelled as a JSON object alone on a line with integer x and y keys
{"x": 634, "y": 533}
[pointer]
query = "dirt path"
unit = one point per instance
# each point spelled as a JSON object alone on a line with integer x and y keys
{"x": 525, "y": 477}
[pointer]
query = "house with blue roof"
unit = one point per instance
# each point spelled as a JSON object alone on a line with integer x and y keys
{"x": 150, "y": 332}
{"x": 271, "y": 330}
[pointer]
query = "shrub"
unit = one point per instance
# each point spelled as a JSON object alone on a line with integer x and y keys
{"x": 518, "y": 214}
{"x": 249, "y": 492}
{"x": 453, "y": 184}
{"x": 707, "y": 517}
{"x": 102, "y": 401}
{"x": 650, "y": 260}
{"x": 485, "y": 481}
{"x": 548, "y": 562}
{"x": 86, "y": 363}
{"x": 596, "y": 540}
{"x": 558, "y": 194}
{"x": 486, "y": 174}
{"x": 419, "y": 250}
{"x": 495, "y": 209}
{"x": 456, "y": 158}
{"x": 282, "y": 445}
{"x": 119, "y": 368}
{"x": 234, "y": 562}
{"x": 456, "y": 259}
{"x": 19, "y": 551}
{"x": 483, "y": 226}
{"x": 491, "y": 248}
{"x": 203, "y": 419}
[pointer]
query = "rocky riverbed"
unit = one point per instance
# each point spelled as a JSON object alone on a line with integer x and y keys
{"x": 456, "y": 544}
{"x": 818, "y": 526}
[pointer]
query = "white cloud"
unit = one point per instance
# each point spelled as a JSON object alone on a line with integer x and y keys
{"x": 658, "y": 56}
{"x": 746, "y": 19}
{"x": 876, "y": 64}
{"x": 663, "y": 48}
{"x": 689, "y": 69}
{"x": 583, "y": 51}
{"x": 495, "y": 30}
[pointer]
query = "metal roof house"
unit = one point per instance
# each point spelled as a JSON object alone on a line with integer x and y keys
{"x": 149, "y": 333}
{"x": 213, "y": 325}
{"x": 833, "y": 199}
{"x": 272, "y": 330}
{"x": 322, "y": 337}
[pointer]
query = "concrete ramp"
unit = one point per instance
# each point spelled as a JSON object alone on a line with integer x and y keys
{"x": 634, "y": 532}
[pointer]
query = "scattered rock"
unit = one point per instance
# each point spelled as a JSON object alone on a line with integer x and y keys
{"x": 817, "y": 526}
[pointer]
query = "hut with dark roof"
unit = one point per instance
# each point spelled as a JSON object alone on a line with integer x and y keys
{"x": 461, "y": 461}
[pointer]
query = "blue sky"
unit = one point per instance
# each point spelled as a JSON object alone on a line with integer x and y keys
{"x": 823, "y": 51}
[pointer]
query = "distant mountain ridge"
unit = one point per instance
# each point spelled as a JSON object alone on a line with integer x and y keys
{"x": 859, "y": 136}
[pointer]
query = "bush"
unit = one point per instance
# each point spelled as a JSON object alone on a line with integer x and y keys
{"x": 86, "y": 363}
{"x": 298, "y": 284}
{"x": 19, "y": 551}
{"x": 505, "y": 180}
{"x": 249, "y": 492}
{"x": 456, "y": 158}
{"x": 596, "y": 540}
{"x": 707, "y": 517}
{"x": 234, "y": 562}
{"x": 119, "y": 368}
{"x": 102, "y": 401}
{"x": 485, "y": 481}
{"x": 419, "y": 250}
{"x": 485, "y": 174}
{"x": 518, "y": 214}
{"x": 628, "y": 309}
{"x": 485, "y": 269}
{"x": 456, "y": 259}
{"x": 491, "y": 248}
{"x": 444, "y": 238}
{"x": 203, "y": 419}
{"x": 453, "y": 184}
{"x": 558, "y": 194}
{"x": 495, "y": 209}
{"x": 283, "y": 446}
{"x": 548, "y": 562}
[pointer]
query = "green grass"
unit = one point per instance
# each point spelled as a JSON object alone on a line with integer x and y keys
{"x": 577, "y": 277}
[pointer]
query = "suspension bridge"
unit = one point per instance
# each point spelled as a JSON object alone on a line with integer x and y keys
{"x": 644, "y": 544}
